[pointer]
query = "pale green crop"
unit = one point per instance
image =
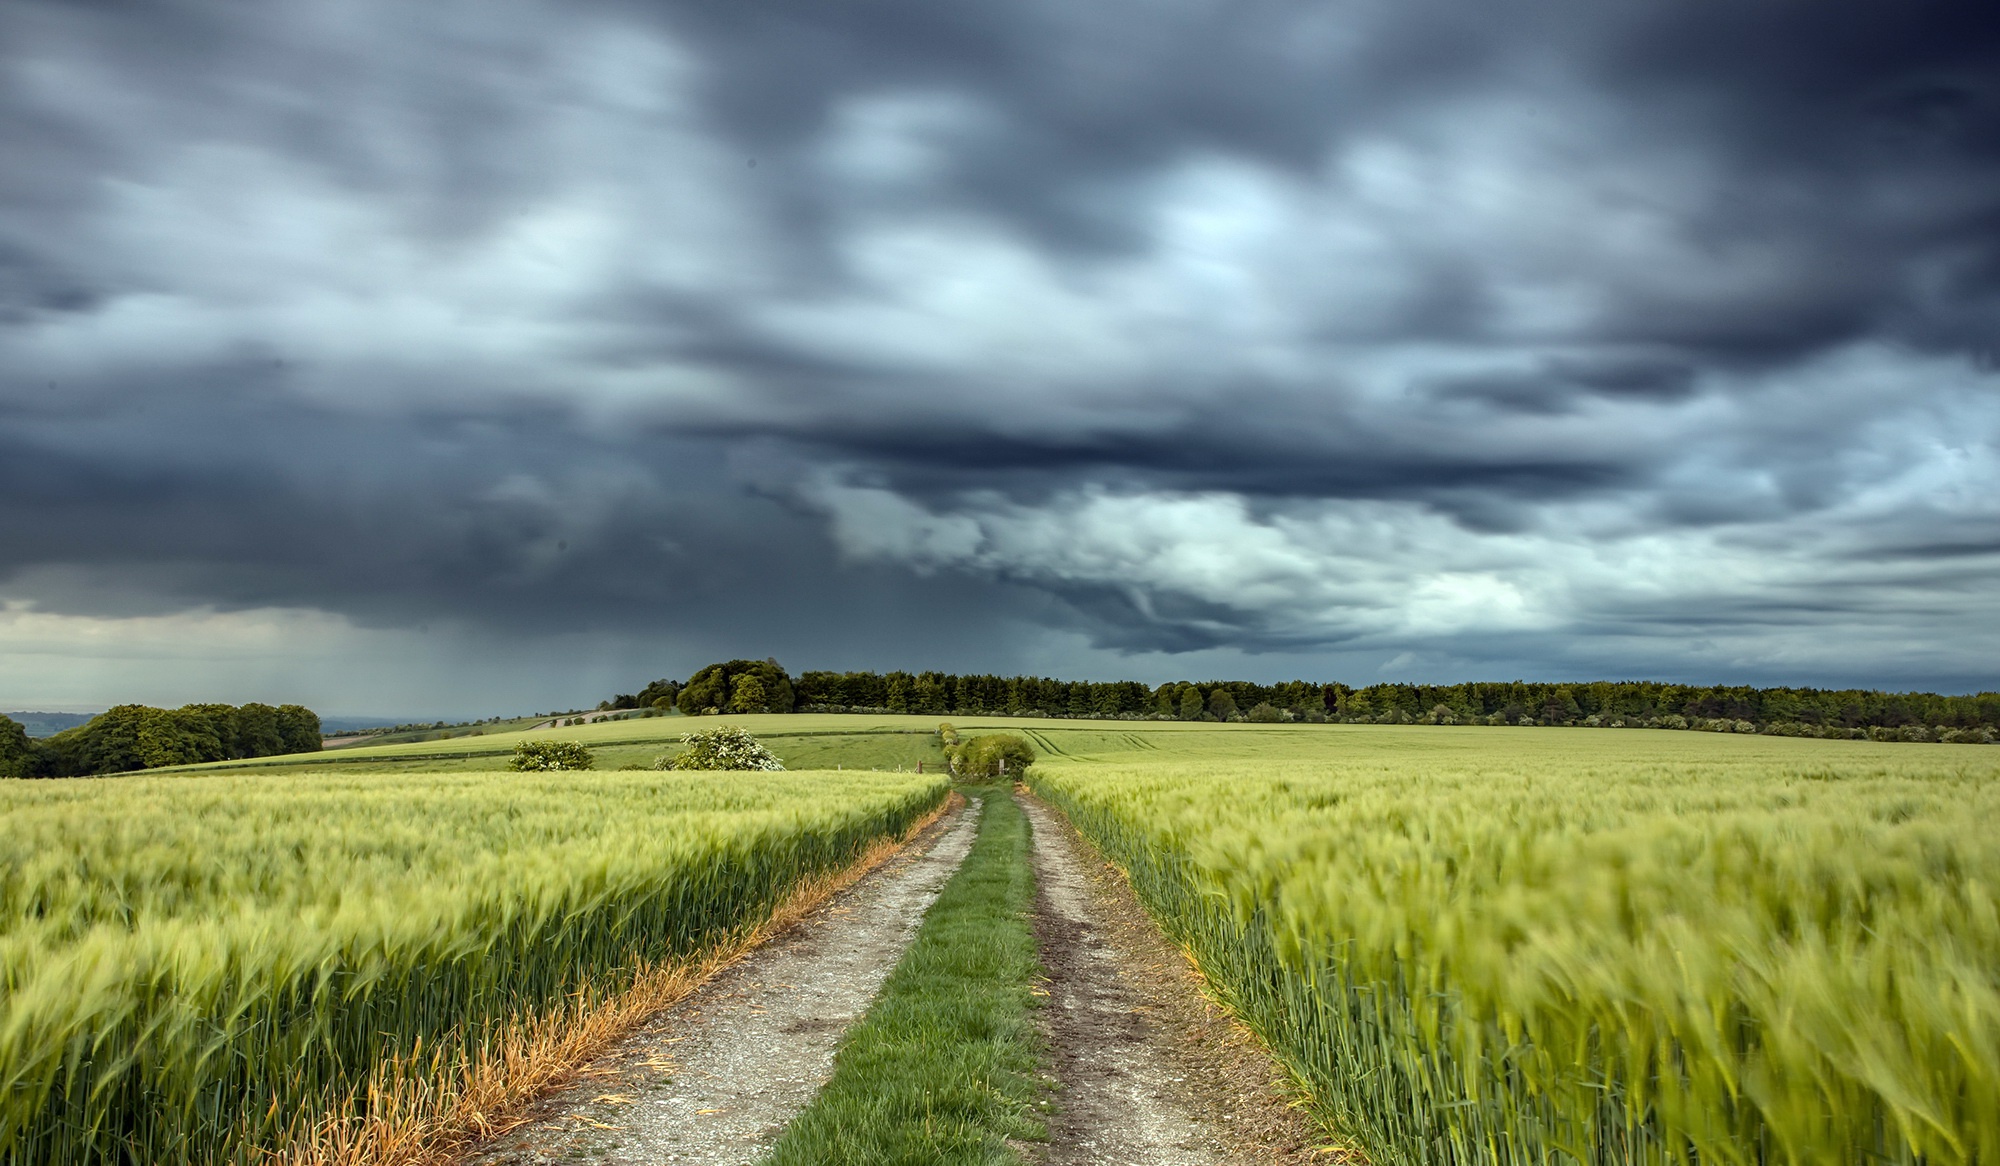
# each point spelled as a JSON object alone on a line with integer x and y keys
{"x": 1531, "y": 948}
{"x": 192, "y": 967}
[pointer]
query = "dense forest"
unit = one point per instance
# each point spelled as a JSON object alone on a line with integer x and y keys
{"x": 133, "y": 736}
{"x": 744, "y": 686}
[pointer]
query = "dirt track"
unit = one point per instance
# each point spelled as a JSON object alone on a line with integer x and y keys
{"x": 713, "y": 1080}
{"x": 1146, "y": 1070}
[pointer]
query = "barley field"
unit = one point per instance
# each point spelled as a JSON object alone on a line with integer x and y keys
{"x": 1533, "y": 945}
{"x": 193, "y": 968}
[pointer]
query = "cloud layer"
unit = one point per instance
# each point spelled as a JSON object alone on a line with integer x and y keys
{"x": 1638, "y": 339}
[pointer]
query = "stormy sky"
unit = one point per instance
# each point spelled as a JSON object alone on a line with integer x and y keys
{"x": 476, "y": 357}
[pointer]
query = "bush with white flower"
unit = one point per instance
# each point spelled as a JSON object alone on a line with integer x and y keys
{"x": 728, "y": 747}
{"x": 539, "y": 756}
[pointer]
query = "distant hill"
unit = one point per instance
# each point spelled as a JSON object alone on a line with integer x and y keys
{"x": 48, "y": 724}
{"x": 356, "y": 724}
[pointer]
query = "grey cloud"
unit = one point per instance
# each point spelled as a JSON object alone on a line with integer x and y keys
{"x": 543, "y": 315}
{"x": 510, "y": 525}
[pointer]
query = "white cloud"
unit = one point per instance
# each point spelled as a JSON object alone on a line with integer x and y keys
{"x": 1806, "y": 594}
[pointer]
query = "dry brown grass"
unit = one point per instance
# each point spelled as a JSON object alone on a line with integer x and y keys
{"x": 417, "y": 1111}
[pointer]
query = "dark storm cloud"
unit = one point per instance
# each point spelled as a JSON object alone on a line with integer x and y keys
{"x": 1385, "y": 327}
{"x": 1799, "y": 113}
{"x": 1208, "y": 452}
{"x": 289, "y": 506}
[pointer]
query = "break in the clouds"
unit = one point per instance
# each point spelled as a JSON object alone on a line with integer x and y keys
{"x": 469, "y": 355}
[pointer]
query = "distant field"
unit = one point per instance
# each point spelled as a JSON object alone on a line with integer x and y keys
{"x": 175, "y": 948}
{"x": 375, "y": 736}
{"x": 804, "y": 741}
{"x": 1535, "y": 945}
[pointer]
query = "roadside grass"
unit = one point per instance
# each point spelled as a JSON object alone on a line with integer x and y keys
{"x": 942, "y": 1069}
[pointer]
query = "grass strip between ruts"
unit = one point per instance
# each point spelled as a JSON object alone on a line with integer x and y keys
{"x": 942, "y": 1069}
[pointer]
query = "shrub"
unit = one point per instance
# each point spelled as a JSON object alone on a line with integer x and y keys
{"x": 727, "y": 747}
{"x": 539, "y": 756}
{"x": 1264, "y": 714}
{"x": 983, "y": 756}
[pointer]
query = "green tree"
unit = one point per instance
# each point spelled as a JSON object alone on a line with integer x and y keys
{"x": 134, "y": 736}
{"x": 1265, "y": 713}
{"x": 17, "y": 752}
{"x": 109, "y": 743}
{"x": 706, "y": 691}
{"x": 161, "y": 740}
{"x": 298, "y": 729}
{"x": 927, "y": 694}
{"x": 747, "y": 695}
{"x": 213, "y": 728}
{"x": 257, "y": 732}
{"x": 1191, "y": 704}
{"x": 1220, "y": 704}
{"x": 714, "y": 687}
{"x": 1559, "y": 707}
{"x": 659, "y": 694}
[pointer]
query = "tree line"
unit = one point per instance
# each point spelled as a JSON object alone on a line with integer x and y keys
{"x": 134, "y": 736}
{"x": 753, "y": 686}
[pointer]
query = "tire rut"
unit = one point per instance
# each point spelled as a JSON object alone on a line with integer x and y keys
{"x": 1120, "y": 1100}
{"x": 1150, "y": 1070}
{"x": 713, "y": 1080}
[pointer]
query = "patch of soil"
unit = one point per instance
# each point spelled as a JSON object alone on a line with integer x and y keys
{"x": 1149, "y": 1071}
{"x": 714, "y": 1079}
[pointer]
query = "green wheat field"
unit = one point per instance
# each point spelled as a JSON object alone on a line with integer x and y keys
{"x": 1504, "y": 945}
